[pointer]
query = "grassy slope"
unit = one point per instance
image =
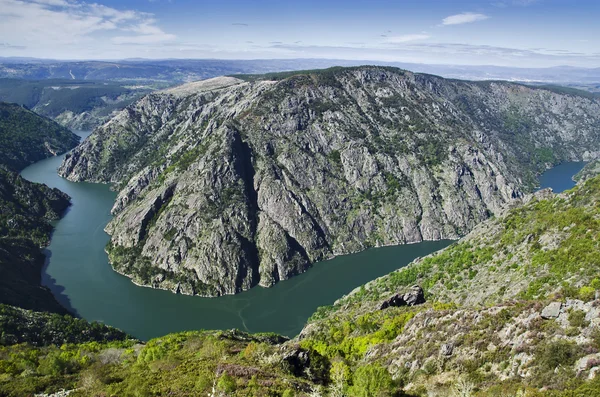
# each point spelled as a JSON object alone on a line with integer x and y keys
{"x": 485, "y": 296}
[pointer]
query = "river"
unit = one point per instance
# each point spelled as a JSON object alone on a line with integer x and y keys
{"x": 560, "y": 178}
{"x": 81, "y": 278}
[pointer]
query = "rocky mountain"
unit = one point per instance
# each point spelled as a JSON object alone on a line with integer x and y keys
{"x": 228, "y": 183}
{"x": 26, "y": 208}
{"x": 512, "y": 309}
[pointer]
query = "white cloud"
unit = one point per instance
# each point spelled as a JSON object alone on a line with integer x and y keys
{"x": 407, "y": 37}
{"x": 465, "y": 17}
{"x": 51, "y": 26}
{"x": 143, "y": 39}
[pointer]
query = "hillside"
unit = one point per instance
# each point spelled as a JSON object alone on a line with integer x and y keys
{"x": 513, "y": 305}
{"x": 228, "y": 183}
{"x": 26, "y": 209}
{"x": 25, "y": 137}
{"x": 534, "y": 331}
{"x": 76, "y": 104}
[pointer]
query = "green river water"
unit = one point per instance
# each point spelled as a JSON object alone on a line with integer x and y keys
{"x": 80, "y": 276}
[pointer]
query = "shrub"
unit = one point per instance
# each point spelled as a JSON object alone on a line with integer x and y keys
{"x": 553, "y": 354}
{"x": 226, "y": 383}
{"x": 587, "y": 293}
{"x": 372, "y": 381}
{"x": 577, "y": 319}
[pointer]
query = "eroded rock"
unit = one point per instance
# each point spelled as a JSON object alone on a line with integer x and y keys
{"x": 414, "y": 297}
{"x": 552, "y": 310}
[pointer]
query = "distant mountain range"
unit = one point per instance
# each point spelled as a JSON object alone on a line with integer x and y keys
{"x": 181, "y": 70}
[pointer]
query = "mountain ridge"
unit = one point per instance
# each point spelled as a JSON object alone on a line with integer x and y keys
{"x": 280, "y": 174}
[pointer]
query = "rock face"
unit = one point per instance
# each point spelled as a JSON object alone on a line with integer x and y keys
{"x": 226, "y": 184}
{"x": 415, "y": 296}
{"x": 552, "y": 310}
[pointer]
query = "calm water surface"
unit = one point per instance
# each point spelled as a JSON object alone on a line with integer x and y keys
{"x": 560, "y": 178}
{"x": 80, "y": 276}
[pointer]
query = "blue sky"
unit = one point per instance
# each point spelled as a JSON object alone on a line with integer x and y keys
{"x": 525, "y": 33}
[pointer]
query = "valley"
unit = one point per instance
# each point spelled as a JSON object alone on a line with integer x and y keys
{"x": 299, "y": 198}
{"x": 81, "y": 277}
{"x": 161, "y": 157}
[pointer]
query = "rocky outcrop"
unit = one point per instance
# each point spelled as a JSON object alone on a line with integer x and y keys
{"x": 267, "y": 177}
{"x": 415, "y": 296}
{"x": 552, "y": 310}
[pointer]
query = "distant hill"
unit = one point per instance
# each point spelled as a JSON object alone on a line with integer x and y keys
{"x": 77, "y": 104}
{"x": 183, "y": 70}
{"x": 26, "y": 137}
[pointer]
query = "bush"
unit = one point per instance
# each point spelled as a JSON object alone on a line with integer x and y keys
{"x": 372, "y": 381}
{"x": 553, "y": 354}
{"x": 587, "y": 293}
{"x": 226, "y": 383}
{"x": 577, "y": 319}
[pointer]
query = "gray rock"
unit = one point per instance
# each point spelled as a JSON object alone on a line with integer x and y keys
{"x": 447, "y": 349}
{"x": 226, "y": 184}
{"x": 552, "y": 310}
{"x": 415, "y": 296}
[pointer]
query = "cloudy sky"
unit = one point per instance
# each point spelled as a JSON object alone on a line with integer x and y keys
{"x": 525, "y": 33}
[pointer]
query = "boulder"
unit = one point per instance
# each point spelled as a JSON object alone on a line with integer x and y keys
{"x": 447, "y": 349}
{"x": 415, "y": 296}
{"x": 297, "y": 360}
{"x": 552, "y": 310}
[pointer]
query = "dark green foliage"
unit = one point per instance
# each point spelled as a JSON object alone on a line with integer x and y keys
{"x": 42, "y": 329}
{"x": 26, "y": 137}
{"x": 25, "y": 211}
{"x": 335, "y": 157}
{"x": 553, "y": 354}
{"x": 577, "y": 318}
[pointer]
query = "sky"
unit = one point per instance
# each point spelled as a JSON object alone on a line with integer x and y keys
{"x": 520, "y": 33}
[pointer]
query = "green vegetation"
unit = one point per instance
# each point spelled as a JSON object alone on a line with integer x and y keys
{"x": 479, "y": 334}
{"x": 26, "y": 137}
{"x": 55, "y": 96}
{"x": 189, "y": 363}
{"x": 43, "y": 329}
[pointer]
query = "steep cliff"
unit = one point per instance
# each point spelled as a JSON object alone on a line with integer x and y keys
{"x": 228, "y": 183}
{"x": 26, "y": 208}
